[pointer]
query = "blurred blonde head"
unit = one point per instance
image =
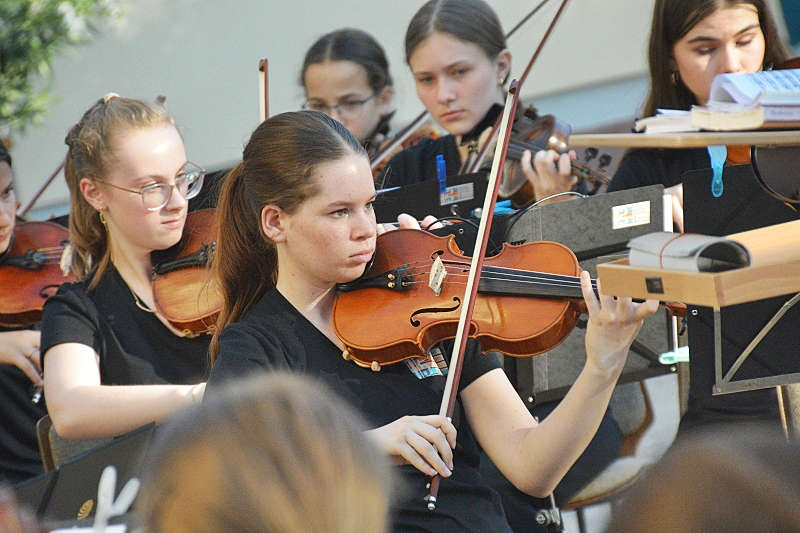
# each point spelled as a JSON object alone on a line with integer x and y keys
{"x": 275, "y": 453}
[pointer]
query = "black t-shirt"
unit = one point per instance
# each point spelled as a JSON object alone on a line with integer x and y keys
{"x": 19, "y": 449}
{"x": 274, "y": 335}
{"x": 134, "y": 347}
{"x": 652, "y": 166}
{"x": 418, "y": 163}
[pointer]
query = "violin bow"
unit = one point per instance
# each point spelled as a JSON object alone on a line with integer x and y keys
{"x": 473, "y": 278}
{"x": 479, "y": 159}
{"x": 422, "y": 117}
{"x": 263, "y": 89}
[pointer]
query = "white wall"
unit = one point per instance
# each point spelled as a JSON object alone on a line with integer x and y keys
{"x": 203, "y": 56}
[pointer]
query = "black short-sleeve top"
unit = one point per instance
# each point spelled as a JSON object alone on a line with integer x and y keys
{"x": 274, "y": 335}
{"x": 418, "y": 163}
{"x": 19, "y": 450}
{"x": 652, "y": 166}
{"x": 134, "y": 346}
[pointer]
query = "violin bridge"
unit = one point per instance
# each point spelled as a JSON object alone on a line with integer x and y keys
{"x": 436, "y": 277}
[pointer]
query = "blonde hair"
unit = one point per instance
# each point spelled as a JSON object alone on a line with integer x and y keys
{"x": 90, "y": 143}
{"x": 274, "y": 453}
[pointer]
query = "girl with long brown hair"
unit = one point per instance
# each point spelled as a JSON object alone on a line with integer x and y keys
{"x": 692, "y": 41}
{"x": 298, "y": 219}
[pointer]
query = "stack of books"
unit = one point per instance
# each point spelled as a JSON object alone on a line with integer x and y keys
{"x": 759, "y": 100}
{"x": 751, "y": 101}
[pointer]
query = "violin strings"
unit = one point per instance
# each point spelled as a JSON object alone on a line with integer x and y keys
{"x": 504, "y": 274}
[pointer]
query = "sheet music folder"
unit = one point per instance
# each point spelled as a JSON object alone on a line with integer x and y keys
{"x": 463, "y": 194}
{"x": 70, "y": 491}
{"x": 593, "y": 225}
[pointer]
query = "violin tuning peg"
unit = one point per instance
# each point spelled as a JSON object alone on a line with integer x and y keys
{"x": 589, "y": 154}
{"x": 604, "y": 161}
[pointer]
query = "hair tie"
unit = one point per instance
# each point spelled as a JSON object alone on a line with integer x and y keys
{"x": 109, "y": 96}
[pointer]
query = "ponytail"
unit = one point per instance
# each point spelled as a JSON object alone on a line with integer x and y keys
{"x": 245, "y": 262}
{"x": 277, "y": 168}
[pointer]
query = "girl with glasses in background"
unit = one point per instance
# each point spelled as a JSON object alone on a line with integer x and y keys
{"x": 111, "y": 363}
{"x": 346, "y": 75}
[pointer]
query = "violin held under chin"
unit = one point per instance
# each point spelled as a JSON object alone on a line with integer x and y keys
{"x": 184, "y": 291}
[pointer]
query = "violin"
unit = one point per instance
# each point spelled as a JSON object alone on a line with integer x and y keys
{"x": 536, "y": 280}
{"x": 30, "y": 271}
{"x": 184, "y": 291}
{"x": 529, "y": 299}
{"x": 420, "y": 128}
{"x": 542, "y": 132}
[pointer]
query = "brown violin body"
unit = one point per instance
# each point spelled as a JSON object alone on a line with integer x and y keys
{"x": 184, "y": 291}
{"x": 408, "y": 318}
{"x": 30, "y": 272}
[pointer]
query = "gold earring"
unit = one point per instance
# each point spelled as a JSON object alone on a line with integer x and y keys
{"x": 673, "y": 77}
{"x": 103, "y": 220}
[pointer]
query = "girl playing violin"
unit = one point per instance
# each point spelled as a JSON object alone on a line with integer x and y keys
{"x": 298, "y": 219}
{"x": 457, "y": 53}
{"x": 111, "y": 364}
{"x": 19, "y": 363}
{"x": 346, "y": 76}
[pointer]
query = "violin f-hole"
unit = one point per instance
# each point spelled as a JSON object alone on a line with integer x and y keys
{"x": 425, "y": 310}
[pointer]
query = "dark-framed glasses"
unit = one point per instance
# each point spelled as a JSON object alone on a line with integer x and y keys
{"x": 188, "y": 181}
{"x": 346, "y": 108}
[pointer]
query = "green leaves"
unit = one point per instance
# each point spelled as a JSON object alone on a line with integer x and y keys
{"x": 31, "y": 34}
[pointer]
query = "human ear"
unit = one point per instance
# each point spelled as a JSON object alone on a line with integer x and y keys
{"x": 385, "y": 97}
{"x": 92, "y": 194}
{"x": 272, "y": 223}
{"x": 503, "y": 65}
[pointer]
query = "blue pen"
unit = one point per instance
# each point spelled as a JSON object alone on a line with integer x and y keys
{"x": 441, "y": 173}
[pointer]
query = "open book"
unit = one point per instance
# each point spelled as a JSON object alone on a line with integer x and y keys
{"x": 766, "y": 99}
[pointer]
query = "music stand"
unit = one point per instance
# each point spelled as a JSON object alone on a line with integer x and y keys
{"x": 743, "y": 206}
{"x": 463, "y": 194}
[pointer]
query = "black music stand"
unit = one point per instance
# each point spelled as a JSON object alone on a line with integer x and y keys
{"x": 464, "y": 193}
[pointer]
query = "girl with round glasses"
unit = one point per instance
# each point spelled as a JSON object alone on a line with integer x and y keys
{"x": 457, "y": 53}
{"x": 346, "y": 75}
{"x": 112, "y": 364}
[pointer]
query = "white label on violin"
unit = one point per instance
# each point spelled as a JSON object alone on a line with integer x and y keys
{"x": 437, "y": 275}
{"x": 629, "y": 215}
{"x": 457, "y": 193}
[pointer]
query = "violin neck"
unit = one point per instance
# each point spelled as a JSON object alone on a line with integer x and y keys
{"x": 499, "y": 281}
{"x": 581, "y": 170}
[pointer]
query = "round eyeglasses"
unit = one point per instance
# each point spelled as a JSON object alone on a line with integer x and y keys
{"x": 342, "y": 109}
{"x": 188, "y": 181}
